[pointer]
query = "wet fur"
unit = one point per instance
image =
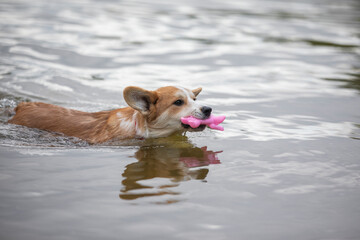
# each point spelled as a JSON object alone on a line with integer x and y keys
{"x": 151, "y": 114}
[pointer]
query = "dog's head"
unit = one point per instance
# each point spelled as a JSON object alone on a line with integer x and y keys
{"x": 164, "y": 107}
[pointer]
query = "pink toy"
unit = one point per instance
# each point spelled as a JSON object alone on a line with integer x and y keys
{"x": 212, "y": 122}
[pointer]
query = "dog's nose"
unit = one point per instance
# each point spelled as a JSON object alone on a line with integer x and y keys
{"x": 206, "y": 111}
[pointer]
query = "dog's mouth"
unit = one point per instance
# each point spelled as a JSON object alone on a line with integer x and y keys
{"x": 189, "y": 128}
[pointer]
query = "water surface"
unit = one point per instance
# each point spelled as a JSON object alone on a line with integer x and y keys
{"x": 286, "y": 75}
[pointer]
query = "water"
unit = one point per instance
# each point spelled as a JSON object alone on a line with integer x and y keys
{"x": 286, "y": 75}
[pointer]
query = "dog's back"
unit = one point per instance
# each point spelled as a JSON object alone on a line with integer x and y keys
{"x": 71, "y": 122}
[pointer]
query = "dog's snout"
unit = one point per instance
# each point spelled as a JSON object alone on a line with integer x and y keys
{"x": 206, "y": 111}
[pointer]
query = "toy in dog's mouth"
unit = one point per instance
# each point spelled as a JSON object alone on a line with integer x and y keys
{"x": 189, "y": 128}
{"x": 195, "y": 123}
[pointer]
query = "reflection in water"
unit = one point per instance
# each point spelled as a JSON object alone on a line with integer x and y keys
{"x": 170, "y": 161}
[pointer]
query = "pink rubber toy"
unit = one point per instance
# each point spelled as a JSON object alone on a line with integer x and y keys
{"x": 212, "y": 122}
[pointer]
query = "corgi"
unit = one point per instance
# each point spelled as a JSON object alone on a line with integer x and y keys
{"x": 151, "y": 114}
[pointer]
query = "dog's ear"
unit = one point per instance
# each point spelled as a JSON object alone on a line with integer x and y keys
{"x": 140, "y": 99}
{"x": 197, "y": 91}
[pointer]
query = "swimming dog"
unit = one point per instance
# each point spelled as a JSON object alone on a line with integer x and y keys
{"x": 151, "y": 114}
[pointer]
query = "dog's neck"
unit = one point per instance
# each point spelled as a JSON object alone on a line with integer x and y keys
{"x": 156, "y": 133}
{"x": 131, "y": 122}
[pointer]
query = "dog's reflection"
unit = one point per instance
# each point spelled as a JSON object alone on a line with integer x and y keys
{"x": 161, "y": 166}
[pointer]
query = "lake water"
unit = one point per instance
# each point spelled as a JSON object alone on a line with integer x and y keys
{"x": 285, "y": 73}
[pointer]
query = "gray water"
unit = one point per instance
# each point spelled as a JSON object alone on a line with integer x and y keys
{"x": 285, "y": 73}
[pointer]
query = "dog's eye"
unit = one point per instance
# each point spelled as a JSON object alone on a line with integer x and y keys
{"x": 179, "y": 102}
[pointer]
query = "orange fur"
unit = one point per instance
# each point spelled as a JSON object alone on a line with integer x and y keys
{"x": 151, "y": 114}
{"x": 93, "y": 127}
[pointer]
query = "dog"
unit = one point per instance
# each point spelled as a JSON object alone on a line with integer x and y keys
{"x": 151, "y": 114}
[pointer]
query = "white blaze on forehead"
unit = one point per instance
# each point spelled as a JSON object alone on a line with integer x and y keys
{"x": 186, "y": 92}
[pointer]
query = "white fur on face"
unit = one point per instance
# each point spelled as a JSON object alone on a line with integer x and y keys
{"x": 168, "y": 122}
{"x": 192, "y": 108}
